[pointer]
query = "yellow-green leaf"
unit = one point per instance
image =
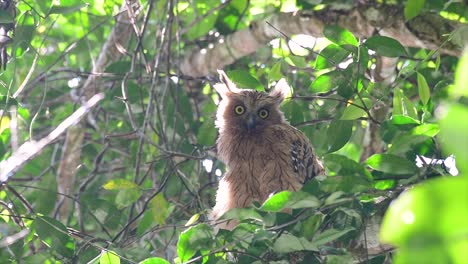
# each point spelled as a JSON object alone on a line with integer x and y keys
{"x": 413, "y": 8}
{"x": 109, "y": 257}
{"x": 120, "y": 184}
{"x": 461, "y": 76}
{"x": 160, "y": 209}
{"x": 423, "y": 89}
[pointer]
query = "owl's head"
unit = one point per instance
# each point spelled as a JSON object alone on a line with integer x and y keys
{"x": 248, "y": 110}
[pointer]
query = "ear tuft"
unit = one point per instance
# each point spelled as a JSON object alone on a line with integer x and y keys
{"x": 281, "y": 90}
{"x": 226, "y": 86}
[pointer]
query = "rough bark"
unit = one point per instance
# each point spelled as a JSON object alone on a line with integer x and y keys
{"x": 110, "y": 52}
{"x": 362, "y": 21}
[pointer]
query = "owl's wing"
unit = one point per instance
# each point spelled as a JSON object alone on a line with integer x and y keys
{"x": 304, "y": 161}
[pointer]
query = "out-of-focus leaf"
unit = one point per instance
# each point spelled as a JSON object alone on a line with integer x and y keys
{"x": 338, "y": 134}
{"x": 355, "y": 111}
{"x": 293, "y": 111}
{"x": 245, "y": 80}
{"x": 6, "y": 17}
{"x": 385, "y": 46}
{"x": 59, "y": 9}
{"x": 330, "y": 56}
{"x": 330, "y": 235}
{"x": 340, "y": 36}
{"x": 430, "y": 217}
{"x": 296, "y": 61}
{"x": 155, "y": 260}
{"x": 120, "y": 184}
{"x": 384, "y": 184}
{"x": 120, "y": 67}
{"x": 55, "y": 235}
{"x": 423, "y": 89}
{"x": 205, "y": 20}
{"x": 391, "y": 164}
{"x": 275, "y": 72}
{"x": 413, "y": 8}
{"x": 158, "y": 210}
{"x": 194, "y": 238}
{"x": 453, "y": 134}
{"x": 289, "y": 243}
{"x": 461, "y": 77}
{"x": 192, "y": 220}
{"x": 127, "y": 197}
{"x": 4, "y": 123}
{"x": 207, "y": 133}
{"x": 109, "y": 257}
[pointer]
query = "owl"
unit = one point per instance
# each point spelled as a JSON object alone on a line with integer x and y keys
{"x": 263, "y": 153}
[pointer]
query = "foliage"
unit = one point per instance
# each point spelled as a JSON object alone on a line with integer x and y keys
{"x": 147, "y": 172}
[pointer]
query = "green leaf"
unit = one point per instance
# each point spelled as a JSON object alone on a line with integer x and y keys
{"x": 429, "y": 215}
{"x": 405, "y": 142}
{"x": 202, "y": 16}
{"x": 289, "y": 243}
{"x": 330, "y": 56}
{"x": 155, "y": 260}
{"x": 207, "y": 133}
{"x": 461, "y": 78}
{"x": 275, "y": 72}
{"x": 276, "y": 202}
{"x": 403, "y": 106}
{"x": 353, "y": 112}
{"x": 340, "y": 36}
{"x": 453, "y": 134}
{"x": 66, "y": 9}
{"x": 287, "y": 199}
{"x": 330, "y": 235}
{"x": 243, "y": 214}
{"x": 193, "y": 239}
{"x": 338, "y": 134}
{"x": 109, "y": 257}
{"x": 429, "y": 130}
{"x": 120, "y": 184}
{"x": 392, "y": 164}
{"x": 423, "y": 89}
{"x": 413, "y": 8}
{"x": 127, "y": 197}
{"x": 55, "y": 235}
{"x": 329, "y": 81}
{"x": 245, "y": 80}
{"x": 296, "y": 61}
{"x": 385, "y": 46}
{"x": 293, "y": 111}
{"x": 342, "y": 165}
{"x": 404, "y": 120}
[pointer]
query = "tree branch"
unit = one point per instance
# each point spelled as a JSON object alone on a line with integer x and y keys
{"x": 363, "y": 21}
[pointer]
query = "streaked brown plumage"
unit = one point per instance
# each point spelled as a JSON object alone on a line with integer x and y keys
{"x": 264, "y": 154}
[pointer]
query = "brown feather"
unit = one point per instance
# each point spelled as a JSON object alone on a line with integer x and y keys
{"x": 270, "y": 157}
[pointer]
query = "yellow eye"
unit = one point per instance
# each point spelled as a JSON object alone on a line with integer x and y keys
{"x": 239, "y": 109}
{"x": 263, "y": 113}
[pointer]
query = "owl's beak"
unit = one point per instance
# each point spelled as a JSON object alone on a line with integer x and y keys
{"x": 251, "y": 122}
